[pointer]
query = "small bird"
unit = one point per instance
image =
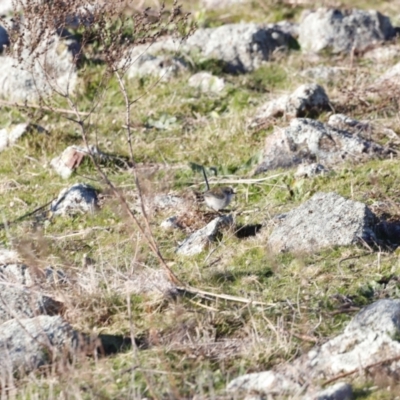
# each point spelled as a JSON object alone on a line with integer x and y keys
{"x": 219, "y": 197}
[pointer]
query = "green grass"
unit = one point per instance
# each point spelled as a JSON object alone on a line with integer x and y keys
{"x": 174, "y": 127}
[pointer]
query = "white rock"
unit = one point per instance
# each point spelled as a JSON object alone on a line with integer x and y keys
{"x": 207, "y": 82}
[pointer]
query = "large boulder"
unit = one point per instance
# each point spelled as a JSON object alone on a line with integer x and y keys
{"x": 26, "y": 344}
{"x": 307, "y": 140}
{"x": 369, "y": 343}
{"x": 325, "y": 220}
{"x": 241, "y": 47}
{"x": 343, "y": 31}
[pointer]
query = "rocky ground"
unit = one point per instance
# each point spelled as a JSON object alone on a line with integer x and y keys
{"x": 117, "y": 282}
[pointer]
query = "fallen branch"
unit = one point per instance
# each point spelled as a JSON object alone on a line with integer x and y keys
{"x": 42, "y": 107}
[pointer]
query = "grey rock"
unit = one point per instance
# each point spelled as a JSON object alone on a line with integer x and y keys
{"x": 207, "y": 82}
{"x": 17, "y": 301}
{"x": 170, "y": 223}
{"x": 26, "y": 344}
{"x": 390, "y": 79}
{"x": 165, "y": 201}
{"x": 77, "y": 199}
{"x": 51, "y": 64}
{"x": 306, "y": 140}
{"x": 199, "y": 240}
{"x": 343, "y": 31}
{"x": 288, "y": 27}
{"x": 325, "y": 220}
{"x": 148, "y": 280}
{"x": 16, "y": 273}
{"x": 342, "y": 121}
{"x": 162, "y": 66}
{"x": 269, "y": 382}
{"x": 383, "y": 54}
{"x": 310, "y": 170}
{"x": 305, "y": 99}
{"x": 323, "y": 73}
{"x": 8, "y": 256}
{"x": 370, "y": 338}
{"x": 242, "y": 47}
{"x": 214, "y": 4}
{"x": 339, "y": 391}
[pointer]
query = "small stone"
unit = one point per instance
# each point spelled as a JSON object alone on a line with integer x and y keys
{"x": 71, "y": 158}
{"x": 198, "y": 241}
{"x": 77, "y": 199}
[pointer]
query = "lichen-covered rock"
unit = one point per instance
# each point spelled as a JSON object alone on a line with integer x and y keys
{"x": 18, "y": 301}
{"x": 77, "y": 199}
{"x": 305, "y": 140}
{"x": 325, "y": 220}
{"x": 323, "y": 73}
{"x": 305, "y": 99}
{"x": 343, "y": 31}
{"x": 241, "y": 47}
{"x": 26, "y": 344}
{"x": 40, "y": 67}
{"x": 199, "y": 240}
{"x": 369, "y": 339}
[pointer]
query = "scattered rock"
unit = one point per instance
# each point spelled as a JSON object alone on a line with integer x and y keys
{"x": 170, "y": 223}
{"x": 368, "y": 340}
{"x": 165, "y": 201}
{"x": 207, "y": 82}
{"x": 323, "y": 73}
{"x": 339, "y": 391}
{"x": 304, "y": 100}
{"x": 198, "y": 241}
{"x": 213, "y": 4}
{"x": 242, "y": 47}
{"x": 26, "y": 344}
{"x": 71, "y": 158}
{"x": 162, "y": 66}
{"x": 77, "y": 199}
{"x": 8, "y": 256}
{"x": 16, "y": 301}
{"x": 389, "y": 80}
{"x": 343, "y": 31}
{"x": 10, "y": 135}
{"x": 382, "y": 54}
{"x": 148, "y": 280}
{"x": 362, "y": 129}
{"x": 325, "y": 220}
{"x": 25, "y": 79}
{"x": 306, "y": 140}
{"x": 310, "y": 170}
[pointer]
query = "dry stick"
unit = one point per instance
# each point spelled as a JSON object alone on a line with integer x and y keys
{"x": 344, "y": 374}
{"x": 42, "y": 107}
{"x": 153, "y": 246}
